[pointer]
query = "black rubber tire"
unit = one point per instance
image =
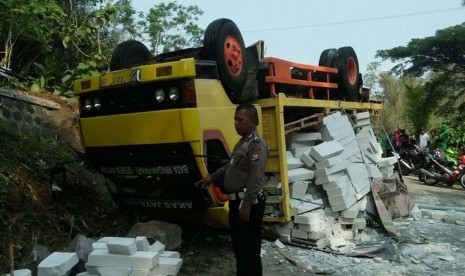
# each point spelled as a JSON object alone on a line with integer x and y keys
{"x": 462, "y": 180}
{"x": 430, "y": 181}
{"x": 327, "y": 57}
{"x": 346, "y": 62}
{"x": 128, "y": 54}
{"x": 214, "y": 42}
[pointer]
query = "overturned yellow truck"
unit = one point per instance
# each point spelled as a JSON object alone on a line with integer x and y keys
{"x": 155, "y": 125}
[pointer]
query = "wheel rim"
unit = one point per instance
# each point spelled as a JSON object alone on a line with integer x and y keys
{"x": 233, "y": 55}
{"x": 352, "y": 73}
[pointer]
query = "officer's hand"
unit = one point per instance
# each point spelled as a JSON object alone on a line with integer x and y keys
{"x": 244, "y": 213}
{"x": 204, "y": 183}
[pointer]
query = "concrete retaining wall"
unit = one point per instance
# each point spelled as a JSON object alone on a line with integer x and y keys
{"x": 25, "y": 112}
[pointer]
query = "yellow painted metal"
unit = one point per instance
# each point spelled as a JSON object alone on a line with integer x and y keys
{"x": 155, "y": 127}
{"x": 184, "y": 68}
{"x": 217, "y": 216}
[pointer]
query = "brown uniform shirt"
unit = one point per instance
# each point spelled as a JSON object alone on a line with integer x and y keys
{"x": 246, "y": 168}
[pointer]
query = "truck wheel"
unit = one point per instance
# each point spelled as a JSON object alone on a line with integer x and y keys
{"x": 462, "y": 180}
{"x": 327, "y": 57}
{"x": 348, "y": 72}
{"x": 224, "y": 44}
{"x": 129, "y": 53}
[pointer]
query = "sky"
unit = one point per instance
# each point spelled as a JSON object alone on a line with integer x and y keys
{"x": 299, "y": 30}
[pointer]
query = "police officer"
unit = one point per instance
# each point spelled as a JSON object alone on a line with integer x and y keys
{"x": 243, "y": 178}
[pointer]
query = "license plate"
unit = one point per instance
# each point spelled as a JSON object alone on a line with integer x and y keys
{"x": 116, "y": 78}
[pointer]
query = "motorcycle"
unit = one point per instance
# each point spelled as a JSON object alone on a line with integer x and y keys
{"x": 411, "y": 161}
{"x": 440, "y": 169}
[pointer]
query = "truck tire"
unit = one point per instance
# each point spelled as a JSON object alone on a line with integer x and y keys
{"x": 346, "y": 62}
{"x": 327, "y": 57}
{"x": 224, "y": 44}
{"x": 129, "y": 53}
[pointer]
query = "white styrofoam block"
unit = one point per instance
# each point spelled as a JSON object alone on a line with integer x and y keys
{"x": 389, "y": 161}
{"x": 168, "y": 266}
{"x": 170, "y": 254}
{"x": 316, "y": 235}
{"x": 314, "y": 226}
{"x": 121, "y": 271}
{"x": 362, "y": 115}
{"x": 301, "y": 144}
{"x": 307, "y": 159}
{"x": 351, "y": 212}
{"x": 293, "y": 163}
{"x": 142, "y": 243}
{"x": 122, "y": 246}
{"x": 21, "y": 272}
{"x": 305, "y": 136}
{"x": 362, "y": 203}
{"x": 326, "y": 150}
{"x": 351, "y": 151}
{"x": 337, "y": 241}
{"x": 57, "y": 264}
{"x": 138, "y": 260}
{"x": 313, "y": 198}
{"x": 359, "y": 195}
{"x": 300, "y": 174}
{"x": 328, "y": 178}
{"x": 85, "y": 273}
{"x": 279, "y": 244}
{"x": 113, "y": 239}
{"x": 345, "y": 221}
{"x": 340, "y": 182}
{"x": 297, "y": 152}
{"x": 357, "y": 171}
{"x": 99, "y": 245}
{"x": 299, "y": 234}
{"x": 299, "y": 188}
{"x": 333, "y": 169}
{"x": 337, "y": 229}
{"x": 329, "y": 162}
{"x": 371, "y": 157}
{"x": 348, "y": 201}
{"x": 349, "y": 139}
{"x": 157, "y": 247}
{"x": 341, "y": 190}
{"x": 92, "y": 269}
{"x": 363, "y": 122}
{"x": 298, "y": 206}
{"x": 309, "y": 217}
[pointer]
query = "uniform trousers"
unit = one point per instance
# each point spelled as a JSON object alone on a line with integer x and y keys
{"x": 246, "y": 238}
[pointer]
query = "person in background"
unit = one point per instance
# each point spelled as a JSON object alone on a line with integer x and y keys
{"x": 443, "y": 137}
{"x": 423, "y": 138}
{"x": 243, "y": 178}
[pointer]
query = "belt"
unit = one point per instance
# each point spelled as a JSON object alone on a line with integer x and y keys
{"x": 241, "y": 195}
{"x": 236, "y": 196}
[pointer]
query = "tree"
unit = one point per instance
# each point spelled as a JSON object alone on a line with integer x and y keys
{"x": 33, "y": 24}
{"x": 371, "y": 78}
{"x": 172, "y": 26}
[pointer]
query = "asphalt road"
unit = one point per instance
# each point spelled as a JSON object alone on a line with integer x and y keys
{"x": 441, "y": 194}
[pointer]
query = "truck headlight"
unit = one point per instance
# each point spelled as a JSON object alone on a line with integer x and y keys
{"x": 173, "y": 94}
{"x": 88, "y": 105}
{"x": 159, "y": 95}
{"x": 97, "y": 103}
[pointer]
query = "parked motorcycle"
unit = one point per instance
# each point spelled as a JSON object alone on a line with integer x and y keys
{"x": 440, "y": 169}
{"x": 411, "y": 161}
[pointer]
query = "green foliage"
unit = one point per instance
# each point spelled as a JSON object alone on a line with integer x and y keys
{"x": 54, "y": 42}
{"x": 172, "y": 26}
{"x": 444, "y": 52}
{"x": 371, "y": 78}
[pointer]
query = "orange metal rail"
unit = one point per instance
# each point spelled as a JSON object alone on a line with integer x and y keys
{"x": 279, "y": 71}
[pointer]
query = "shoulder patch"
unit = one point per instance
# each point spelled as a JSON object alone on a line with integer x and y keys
{"x": 256, "y": 138}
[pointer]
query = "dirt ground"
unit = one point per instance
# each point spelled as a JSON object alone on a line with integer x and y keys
{"x": 426, "y": 247}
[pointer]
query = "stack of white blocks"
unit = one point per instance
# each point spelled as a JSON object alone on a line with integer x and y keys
{"x": 339, "y": 163}
{"x": 131, "y": 256}
{"x": 117, "y": 256}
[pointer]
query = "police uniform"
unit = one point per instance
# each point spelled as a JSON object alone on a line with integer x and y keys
{"x": 243, "y": 178}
